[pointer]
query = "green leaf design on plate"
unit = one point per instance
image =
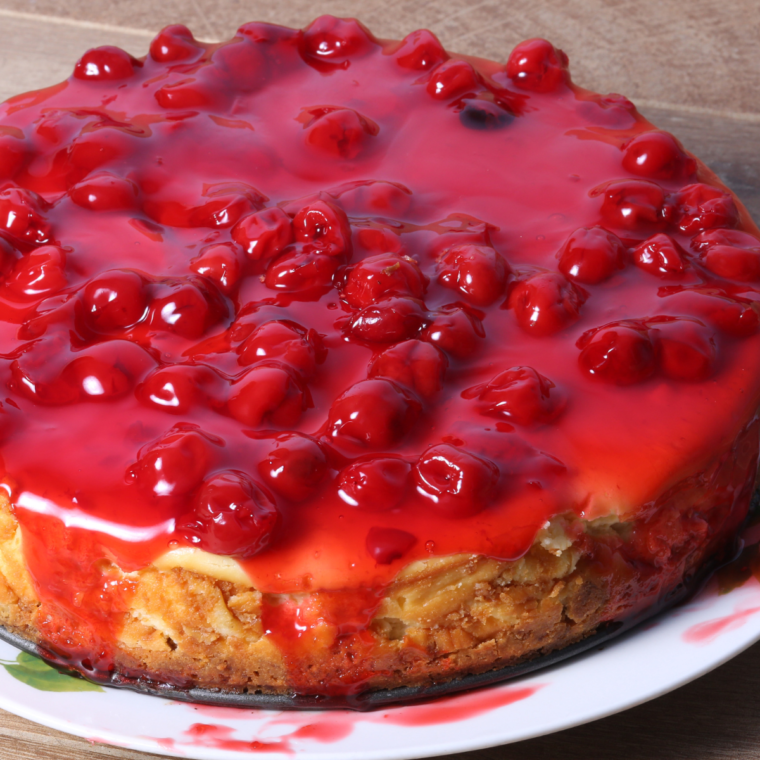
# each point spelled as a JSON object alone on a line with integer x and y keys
{"x": 36, "y": 673}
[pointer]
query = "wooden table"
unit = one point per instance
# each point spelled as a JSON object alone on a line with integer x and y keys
{"x": 692, "y": 68}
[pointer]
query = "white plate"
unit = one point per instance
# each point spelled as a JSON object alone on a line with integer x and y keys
{"x": 675, "y": 648}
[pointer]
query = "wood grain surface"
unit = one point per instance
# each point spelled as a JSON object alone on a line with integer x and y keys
{"x": 693, "y": 68}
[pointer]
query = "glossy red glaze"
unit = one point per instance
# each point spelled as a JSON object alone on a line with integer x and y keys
{"x": 248, "y": 289}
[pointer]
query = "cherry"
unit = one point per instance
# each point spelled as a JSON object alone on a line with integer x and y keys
{"x": 521, "y": 395}
{"x": 420, "y": 51}
{"x": 264, "y": 234}
{"x": 375, "y": 413}
{"x": 387, "y": 198}
{"x": 538, "y": 66}
{"x": 220, "y": 264}
{"x": 621, "y": 353}
{"x": 384, "y": 275}
{"x": 91, "y": 150}
{"x": 35, "y": 373}
{"x": 325, "y": 226}
{"x": 385, "y": 545}
{"x": 95, "y": 377}
{"x": 738, "y": 318}
{"x": 177, "y": 388}
{"x": 455, "y": 331}
{"x": 731, "y": 254}
{"x": 336, "y": 40}
{"x": 8, "y": 257}
{"x": 686, "y": 350}
{"x": 456, "y": 482}
{"x": 478, "y": 272}
{"x": 481, "y": 114}
{"x": 267, "y": 394}
{"x": 39, "y": 273}
{"x": 114, "y": 300}
{"x": 13, "y": 154}
{"x": 105, "y": 64}
{"x": 660, "y": 255}
{"x": 225, "y": 204}
{"x": 295, "y": 272}
{"x": 657, "y": 155}
{"x": 21, "y": 216}
{"x": 591, "y": 255}
{"x": 295, "y": 467}
{"x": 174, "y": 466}
{"x": 703, "y": 207}
{"x": 374, "y": 485}
{"x": 414, "y": 364}
{"x": 340, "y": 133}
{"x": 633, "y": 205}
{"x": 379, "y": 240}
{"x": 232, "y": 517}
{"x": 239, "y": 66}
{"x": 283, "y": 341}
{"x": 388, "y": 321}
{"x": 173, "y": 43}
{"x": 188, "y": 310}
{"x": 452, "y": 79}
{"x": 188, "y": 93}
{"x": 546, "y": 303}
{"x": 104, "y": 192}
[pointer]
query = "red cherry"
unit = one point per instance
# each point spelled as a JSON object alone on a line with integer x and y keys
{"x": 686, "y": 350}
{"x": 620, "y": 353}
{"x": 414, "y": 364}
{"x": 478, "y": 272}
{"x": 452, "y": 79}
{"x": 375, "y": 413}
{"x": 703, "y": 207}
{"x": 336, "y": 40}
{"x": 220, "y": 264}
{"x": 239, "y": 66}
{"x": 420, "y": 51}
{"x": 225, "y": 203}
{"x": 104, "y": 192}
{"x": 379, "y": 240}
{"x": 657, "y": 155}
{"x": 731, "y": 254}
{"x": 378, "y": 277}
{"x": 633, "y": 205}
{"x": 35, "y": 373}
{"x": 188, "y": 310}
{"x": 96, "y": 379}
{"x": 283, "y": 341}
{"x": 546, "y": 303}
{"x": 8, "y": 257}
{"x": 521, "y": 395}
{"x": 736, "y": 238}
{"x": 385, "y": 545}
{"x": 174, "y": 466}
{"x": 295, "y": 467}
{"x": 388, "y": 321}
{"x": 185, "y": 94}
{"x": 455, "y": 331}
{"x": 39, "y": 273}
{"x": 177, "y": 388}
{"x": 661, "y": 256}
{"x": 91, "y": 150}
{"x": 325, "y": 226}
{"x": 294, "y": 272}
{"x": 538, "y": 66}
{"x": 232, "y": 517}
{"x": 173, "y": 43}
{"x": 340, "y": 132}
{"x": 21, "y": 216}
{"x": 105, "y": 64}
{"x": 738, "y": 318}
{"x": 114, "y": 300}
{"x": 385, "y": 198}
{"x": 456, "y": 482}
{"x": 591, "y": 255}
{"x": 374, "y": 485}
{"x": 264, "y": 234}
{"x": 267, "y": 394}
{"x": 13, "y": 154}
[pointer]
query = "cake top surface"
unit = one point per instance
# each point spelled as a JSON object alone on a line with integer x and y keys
{"x": 328, "y": 304}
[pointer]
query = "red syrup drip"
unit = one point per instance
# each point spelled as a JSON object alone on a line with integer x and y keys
{"x": 704, "y": 633}
{"x": 125, "y": 250}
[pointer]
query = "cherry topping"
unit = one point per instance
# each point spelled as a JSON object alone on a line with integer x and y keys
{"x": 220, "y": 264}
{"x": 478, "y": 272}
{"x": 39, "y": 273}
{"x": 378, "y": 277}
{"x": 538, "y": 66}
{"x": 455, "y": 331}
{"x": 633, "y": 205}
{"x": 188, "y": 310}
{"x": 294, "y": 272}
{"x": 96, "y": 377}
{"x": 21, "y": 216}
{"x": 336, "y": 40}
{"x": 284, "y": 342}
{"x": 232, "y": 517}
{"x": 456, "y": 482}
{"x": 92, "y": 150}
{"x": 388, "y": 321}
{"x": 104, "y": 192}
{"x": 620, "y": 353}
{"x": 264, "y": 234}
{"x": 295, "y": 467}
{"x": 591, "y": 255}
{"x": 374, "y": 485}
{"x": 546, "y": 303}
{"x": 657, "y": 155}
{"x": 114, "y": 300}
{"x": 738, "y": 318}
{"x": 731, "y": 254}
{"x": 385, "y": 545}
{"x": 686, "y": 350}
{"x": 340, "y": 132}
{"x": 173, "y": 43}
{"x": 267, "y": 394}
{"x": 521, "y": 395}
{"x": 477, "y": 113}
{"x": 177, "y": 388}
{"x": 13, "y": 153}
{"x": 188, "y": 93}
{"x": 703, "y": 207}
{"x": 325, "y": 226}
{"x": 375, "y": 413}
{"x": 452, "y": 79}
{"x": 661, "y": 256}
{"x": 420, "y": 51}
{"x": 105, "y": 64}
{"x": 415, "y": 364}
